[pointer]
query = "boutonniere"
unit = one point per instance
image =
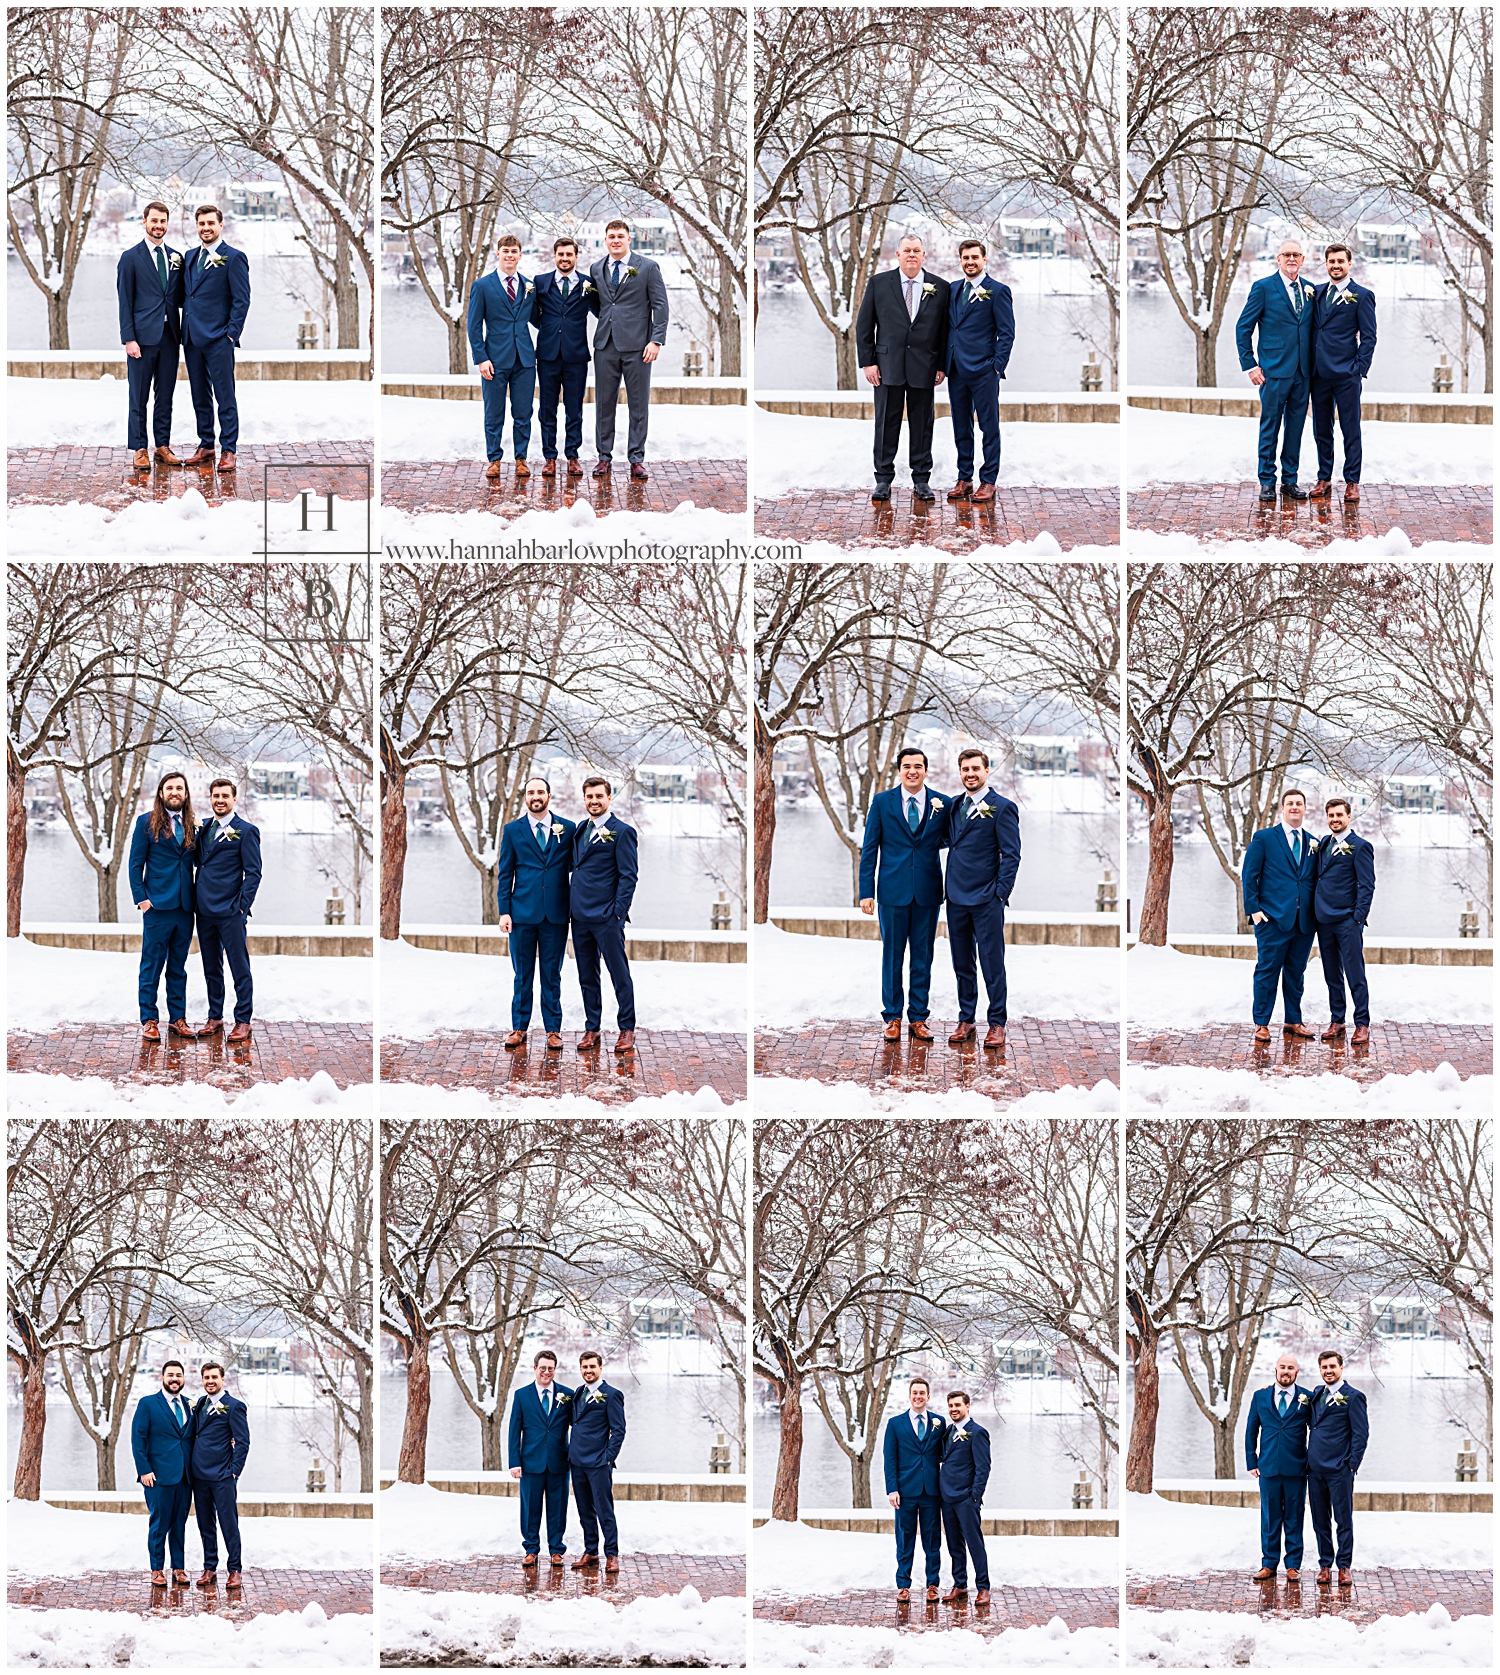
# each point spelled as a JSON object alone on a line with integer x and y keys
{"x": 605, "y": 836}
{"x": 929, "y": 290}
{"x": 1337, "y": 1401}
{"x": 1340, "y": 847}
{"x": 174, "y": 260}
{"x": 216, "y": 1406}
{"x": 1312, "y": 844}
{"x": 562, "y": 1397}
{"x": 961, "y": 1436}
{"x": 595, "y": 1396}
{"x": 232, "y": 833}
{"x": 588, "y": 285}
{"x": 527, "y": 287}
{"x": 630, "y": 273}
{"x": 937, "y": 802}
{"x": 557, "y": 830}
{"x": 1302, "y": 1401}
{"x": 214, "y": 261}
{"x": 983, "y": 296}
{"x": 984, "y": 811}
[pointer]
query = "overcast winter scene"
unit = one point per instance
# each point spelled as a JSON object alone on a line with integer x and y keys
{"x": 563, "y": 1319}
{"x": 1309, "y": 269}
{"x": 914, "y": 720}
{"x": 190, "y": 1332}
{"x": 1351, "y": 706}
{"x": 151, "y": 345}
{"x": 513, "y": 138}
{"x": 189, "y": 785}
{"x": 973, "y": 152}
{"x": 1309, "y": 1464}
{"x": 936, "y": 1339}
{"x": 563, "y": 783}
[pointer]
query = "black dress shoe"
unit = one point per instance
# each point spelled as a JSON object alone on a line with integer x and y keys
{"x": 1290, "y": 491}
{"x": 1268, "y": 495}
{"x": 922, "y": 491}
{"x": 881, "y": 491}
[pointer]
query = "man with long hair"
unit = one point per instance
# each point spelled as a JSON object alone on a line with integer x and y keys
{"x": 161, "y": 886}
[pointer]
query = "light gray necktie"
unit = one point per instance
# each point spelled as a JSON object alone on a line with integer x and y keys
{"x": 911, "y": 306}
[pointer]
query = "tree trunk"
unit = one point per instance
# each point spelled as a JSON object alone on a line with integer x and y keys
{"x": 392, "y": 837}
{"x": 15, "y": 839}
{"x": 345, "y": 291}
{"x": 859, "y": 1479}
{"x": 788, "y": 1456}
{"x": 729, "y": 326}
{"x": 492, "y": 1442}
{"x": 366, "y": 1438}
{"x": 1205, "y": 357}
{"x": 57, "y": 319}
{"x": 28, "y": 1480}
{"x": 845, "y": 359}
{"x": 104, "y": 1462}
{"x": 1158, "y": 892}
{"x": 107, "y": 881}
{"x": 458, "y": 346}
{"x": 1224, "y": 1448}
{"x": 489, "y": 897}
{"x": 1141, "y": 1459}
{"x": 413, "y": 1464}
{"x": 765, "y": 820}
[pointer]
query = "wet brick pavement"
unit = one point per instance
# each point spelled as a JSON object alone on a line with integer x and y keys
{"x": 650, "y": 1574}
{"x": 105, "y": 477}
{"x": 276, "y": 1052}
{"x": 1008, "y": 1608}
{"x": 1371, "y": 1594}
{"x": 1394, "y": 1050}
{"x": 432, "y": 486}
{"x": 263, "y": 1591}
{"x": 848, "y": 518}
{"x": 1233, "y": 512}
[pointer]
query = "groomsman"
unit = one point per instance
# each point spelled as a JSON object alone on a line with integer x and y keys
{"x": 981, "y": 330}
{"x": 537, "y": 1448}
{"x": 1276, "y": 1455}
{"x": 1274, "y": 335}
{"x": 162, "y": 847}
{"x": 532, "y": 895}
{"x": 161, "y": 1441}
{"x": 984, "y": 855}
{"x": 630, "y": 297}
{"x": 1277, "y": 878}
{"x": 500, "y": 306}
{"x": 912, "y": 1454}
{"x": 148, "y": 287}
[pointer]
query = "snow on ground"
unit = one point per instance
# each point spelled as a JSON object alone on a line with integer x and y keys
{"x": 427, "y": 1525}
{"x": 782, "y": 1646}
{"x": 501, "y": 1631}
{"x": 306, "y": 1639}
{"x": 31, "y": 1092}
{"x": 407, "y": 1098}
{"x": 793, "y": 452}
{"x": 1191, "y": 1089}
{"x": 423, "y": 990}
{"x": 412, "y": 427}
{"x": 788, "y": 1093}
{"x": 575, "y": 533}
{"x": 1150, "y": 543}
{"x": 1172, "y": 990}
{"x": 799, "y": 978}
{"x": 52, "y": 986}
{"x": 1228, "y": 1640}
{"x": 91, "y": 413}
{"x": 184, "y": 525}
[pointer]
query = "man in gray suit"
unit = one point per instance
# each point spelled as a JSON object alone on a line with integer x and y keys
{"x": 630, "y": 298}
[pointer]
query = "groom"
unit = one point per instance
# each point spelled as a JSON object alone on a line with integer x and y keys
{"x": 535, "y": 853}
{"x": 981, "y": 330}
{"x": 1343, "y": 347}
{"x": 221, "y": 1445}
{"x": 216, "y": 300}
{"x": 600, "y": 892}
{"x": 228, "y": 857}
{"x": 560, "y": 313}
{"x": 984, "y": 855}
{"x": 901, "y": 338}
{"x": 148, "y": 287}
{"x": 1336, "y": 1441}
{"x": 630, "y": 298}
{"x": 1342, "y": 898}
{"x": 1278, "y": 876}
{"x": 1274, "y": 336}
{"x": 596, "y": 1433}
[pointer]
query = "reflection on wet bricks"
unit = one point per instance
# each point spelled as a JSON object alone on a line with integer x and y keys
{"x": 461, "y": 486}
{"x": 1008, "y": 1608}
{"x": 262, "y": 1592}
{"x": 1235, "y": 512}
{"x": 1370, "y": 1594}
{"x": 714, "y": 1575}
{"x": 1394, "y": 1050}
{"x": 106, "y": 477}
{"x": 277, "y": 1051}
{"x": 848, "y": 518}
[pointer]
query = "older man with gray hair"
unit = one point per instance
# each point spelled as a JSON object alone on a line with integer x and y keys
{"x": 901, "y": 337}
{"x": 1274, "y": 335}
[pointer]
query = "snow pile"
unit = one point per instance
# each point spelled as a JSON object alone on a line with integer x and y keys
{"x": 412, "y": 427}
{"x": 1395, "y": 543}
{"x": 504, "y": 1631}
{"x": 306, "y": 1639}
{"x": 31, "y": 1092}
{"x": 789, "y": 1094}
{"x": 586, "y": 536}
{"x": 785, "y": 1646}
{"x": 421, "y": 1098}
{"x": 185, "y": 524}
{"x": 1191, "y": 1089}
{"x": 1226, "y": 1640}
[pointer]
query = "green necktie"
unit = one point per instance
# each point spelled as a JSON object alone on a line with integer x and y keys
{"x": 565, "y": 290}
{"x": 161, "y": 267}
{"x": 1297, "y": 301}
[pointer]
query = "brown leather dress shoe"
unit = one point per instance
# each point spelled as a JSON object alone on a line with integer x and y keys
{"x": 165, "y": 456}
{"x": 492, "y": 470}
{"x": 963, "y": 1034}
{"x": 142, "y": 462}
{"x": 586, "y": 1561}
{"x": 522, "y": 468}
{"x": 1264, "y": 1574}
{"x": 1325, "y": 1576}
{"x": 985, "y": 491}
{"x": 558, "y": 1561}
{"x": 201, "y": 456}
{"x": 516, "y": 1038}
{"x": 918, "y": 1030}
{"x": 639, "y": 473}
{"x": 602, "y": 468}
{"x": 1351, "y": 492}
{"x": 214, "y": 1026}
{"x": 1320, "y": 489}
{"x": 994, "y": 1036}
{"x": 179, "y": 1579}
{"x": 893, "y": 1030}
{"x": 625, "y": 1041}
{"x": 158, "y": 1578}
{"x": 1302, "y": 1031}
{"x": 1334, "y": 1032}
{"x": 575, "y": 467}
{"x": 961, "y": 490}
{"x": 1294, "y": 1577}
{"x": 240, "y": 1032}
{"x": 554, "y": 1041}
{"x": 955, "y": 1594}
{"x": 982, "y": 1597}
{"x": 1262, "y": 1032}
{"x": 1345, "y": 1578}
{"x": 150, "y": 1031}
{"x": 1361, "y": 1036}
{"x": 529, "y": 1562}
{"x": 903, "y": 1593}
{"x": 588, "y": 1042}
{"x": 932, "y": 1591}
{"x": 226, "y": 463}
{"x": 233, "y": 1579}
{"x": 182, "y": 1028}
{"x": 612, "y": 1564}
{"x": 549, "y": 468}
{"x": 208, "y": 1580}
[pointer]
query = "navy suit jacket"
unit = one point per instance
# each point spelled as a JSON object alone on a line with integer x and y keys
{"x": 1273, "y": 886}
{"x": 161, "y": 869}
{"x": 965, "y": 1467}
{"x": 228, "y": 871}
{"x": 911, "y": 869}
{"x": 1345, "y": 887}
{"x": 1343, "y": 333}
{"x": 157, "y": 1443}
{"x": 1338, "y": 1435}
{"x": 1277, "y": 1447}
{"x": 538, "y": 1442}
{"x": 1285, "y": 346}
{"x": 562, "y": 329}
{"x": 533, "y": 887}
{"x": 980, "y": 335}
{"x": 221, "y": 1442}
{"x": 604, "y": 873}
{"x": 499, "y": 330}
{"x": 597, "y": 1429}
{"x": 147, "y": 313}
{"x": 984, "y": 853}
{"x": 912, "y": 1467}
{"x": 215, "y": 300}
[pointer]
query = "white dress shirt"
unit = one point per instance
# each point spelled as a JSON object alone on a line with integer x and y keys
{"x": 919, "y": 798}
{"x": 1301, "y": 832}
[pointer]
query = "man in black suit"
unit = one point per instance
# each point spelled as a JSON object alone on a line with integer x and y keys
{"x": 901, "y": 338}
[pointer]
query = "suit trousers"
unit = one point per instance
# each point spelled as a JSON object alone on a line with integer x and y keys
{"x": 1331, "y": 1497}
{"x": 551, "y": 1488}
{"x": 219, "y": 939}
{"x": 984, "y": 927}
{"x": 154, "y": 375}
{"x": 901, "y": 927}
{"x": 1280, "y": 957}
{"x": 611, "y": 366}
{"x": 971, "y": 397}
{"x": 218, "y": 1497}
{"x": 962, "y": 1528}
{"x": 526, "y": 942}
{"x": 1283, "y": 413}
{"x": 594, "y": 939}
{"x": 920, "y": 406}
{"x": 1342, "y": 393}
{"x": 1281, "y": 1503}
{"x": 568, "y": 380}
{"x": 166, "y": 1522}
{"x": 166, "y": 936}
{"x": 928, "y": 1512}
{"x": 519, "y": 384}
{"x": 594, "y": 1491}
{"x": 1342, "y": 947}
{"x": 210, "y": 370}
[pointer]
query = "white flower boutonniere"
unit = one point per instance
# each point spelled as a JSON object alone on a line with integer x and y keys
{"x": 527, "y": 287}
{"x": 174, "y": 261}
{"x": 1338, "y": 1401}
{"x": 929, "y": 290}
{"x": 961, "y": 1436}
{"x": 214, "y": 261}
{"x": 605, "y": 836}
{"x": 983, "y": 296}
{"x": 937, "y": 802}
{"x": 588, "y": 286}
{"x": 1302, "y": 1401}
{"x": 231, "y": 833}
{"x": 630, "y": 273}
{"x": 1312, "y": 844}
{"x": 557, "y": 830}
{"x": 563, "y": 1396}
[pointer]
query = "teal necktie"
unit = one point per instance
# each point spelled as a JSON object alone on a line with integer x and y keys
{"x": 921, "y": 1428}
{"x": 547, "y": 1403}
{"x": 913, "y": 819}
{"x": 1297, "y": 850}
{"x": 1281, "y": 1403}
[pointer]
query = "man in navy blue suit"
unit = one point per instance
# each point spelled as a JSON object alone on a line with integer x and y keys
{"x": 228, "y": 860}
{"x": 536, "y": 852}
{"x": 537, "y": 1449}
{"x": 1339, "y": 1432}
{"x": 984, "y": 854}
{"x": 148, "y": 287}
{"x": 906, "y": 831}
{"x": 560, "y": 313}
{"x": 161, "y": 1441}
{"x": 500, "y": 342}
{"x": 981, "y": 330}
{"x": 221, "y": 1446}
{"x": 1279, "y": 310}
{"x": 913, "y": 1452}
{"x": 605, "y": 868}
{"x": 215, "y": 303}
{"x": 962, "y": 1476}
{"x": 1277, "y": 877}
{"x": 1342, "y": 897}
{"x": 595, "y": 1436}
{"x": 1343, "y": 347}
{"x": 162, "y": 847}
{"x": 1276, "y": 1454}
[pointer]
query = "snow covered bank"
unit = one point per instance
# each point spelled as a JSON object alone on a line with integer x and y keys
{"x": 27, "y": 1091}
{"x": 1227, "y": 1640}
{"x": 790, "y": 1094}
{"x": 420, "y": 1098}
{"x": 412, "y": 427}
{"x": 183, "y": 525}
{"x": 306, "y": 1639}
{"x": 786, "y": 1646}
{"x": 1150, "y": 543}
{"x": 1191, "y": 1089}
{"x": 588, "y": 537}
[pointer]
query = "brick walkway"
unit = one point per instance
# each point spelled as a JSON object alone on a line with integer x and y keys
{"x": 1038, "y": 1054}
{"x": 1394, "y": 1050}
{"x": 1233, "y": 512}
{"x": 263, "y": 1591}
{"x": 848, "y": 518}
{"x": 664, "y": 1061}
{"x": 420, "y": 486}
{"x": 715, "y": 1576}
{"x": 276, "y": 1052}
{"x": 105, "y": 476}
{"x": 1372, "y": 1594}
{"x": 1008, "y": 1608}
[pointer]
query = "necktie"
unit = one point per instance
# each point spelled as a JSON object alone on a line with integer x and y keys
{"x": 565, "y": 290}
{"x": 913, "y": 819}
{"x": 1297, "y": 301}
{"x": 547, "y": 1403}
{"x": 510, "y": 286}
{"x": 1281, "y": 1403}
{"x": 911, "y": 307}
{"x": 541, "y": 833}
{"x": 177, "y": 829}
{"x": 1296, "y": 849}
{"x": 161, "y": 267}
{"x": 177, "y": 1412}
{"x": 617, "y": 276}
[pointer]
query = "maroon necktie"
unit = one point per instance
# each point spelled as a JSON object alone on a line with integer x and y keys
{"x": 510, "y": 287}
